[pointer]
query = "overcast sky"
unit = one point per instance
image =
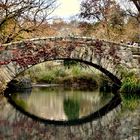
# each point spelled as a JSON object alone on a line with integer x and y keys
{"x": 67, "y": 8}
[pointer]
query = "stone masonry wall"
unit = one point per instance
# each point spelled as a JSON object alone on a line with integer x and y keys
{"x": 106, "y": 56}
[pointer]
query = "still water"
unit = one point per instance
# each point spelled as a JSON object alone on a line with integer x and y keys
{"x": 59, "y": 103}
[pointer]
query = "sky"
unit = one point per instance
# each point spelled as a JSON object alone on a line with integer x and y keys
{"x": 67, "y": 8}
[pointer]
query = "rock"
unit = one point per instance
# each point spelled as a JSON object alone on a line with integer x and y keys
{"x": 16, "y": 85}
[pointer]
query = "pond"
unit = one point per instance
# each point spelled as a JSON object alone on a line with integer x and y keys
{"x": 61, "y": 104}
{"x": 52, "y": 112}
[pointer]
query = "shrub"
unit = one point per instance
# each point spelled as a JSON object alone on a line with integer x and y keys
{"x": 130, "y": 84}
{"x": 130, "y": 102}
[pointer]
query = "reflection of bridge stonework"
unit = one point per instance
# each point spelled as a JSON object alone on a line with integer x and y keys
{"x": 106, "y": 56}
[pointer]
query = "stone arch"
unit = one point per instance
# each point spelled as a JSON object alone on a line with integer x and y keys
{"x": 12, "y": 72}
{"x": 104, "y": 56}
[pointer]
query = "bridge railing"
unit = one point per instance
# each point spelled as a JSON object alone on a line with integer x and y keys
{"x": 74, "y": 38}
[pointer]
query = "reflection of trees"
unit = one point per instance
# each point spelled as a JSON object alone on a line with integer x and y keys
{"x": 20, "y": 102}
{"x": 109, "y": 127}
{"x": 71, "y": 108}
{"x": 25, "y": 93}
{"x": 106, "y": 96}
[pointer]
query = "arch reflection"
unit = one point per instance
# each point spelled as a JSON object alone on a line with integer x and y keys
{"x": 61, "y": 106}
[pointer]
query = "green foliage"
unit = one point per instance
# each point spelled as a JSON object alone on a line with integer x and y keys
{"x": 20, "y": 102}
{"x": 130, "y": 89}
{"x": 60, "y": 74}
{"x": 71, "y": 108}
{"x": 46, "y": 78}
{"x": 131, "y": 83}
{"x": 130, "y": 102}
{"x": 76, "y": 70}
{"x": 50, "y": 76}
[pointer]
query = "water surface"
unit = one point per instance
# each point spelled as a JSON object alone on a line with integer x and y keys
{"x": 59, "y": 103}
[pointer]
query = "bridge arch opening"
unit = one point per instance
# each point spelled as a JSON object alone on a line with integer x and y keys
{"x": 113, "y": 78}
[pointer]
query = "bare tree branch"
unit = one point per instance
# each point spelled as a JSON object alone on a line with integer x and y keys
{"x": 18, "y": 16}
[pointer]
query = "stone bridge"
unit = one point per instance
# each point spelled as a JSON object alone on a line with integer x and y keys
{"x": 108, "y": 57}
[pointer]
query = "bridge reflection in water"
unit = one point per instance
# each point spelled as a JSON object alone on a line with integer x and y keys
{"x": 105, "y": 124}
{"x": 59, "y": 106}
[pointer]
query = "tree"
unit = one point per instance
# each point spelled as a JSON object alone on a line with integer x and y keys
{"x": 112, "y": 15}
{"x": 22, "y": 16}
{"x": 132, "y": 8}
{"x": 86, "y": 28}
{"x": 97, "y": 8}
{"x": 101, "y": 11}
{"x": 117, "y": 22}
